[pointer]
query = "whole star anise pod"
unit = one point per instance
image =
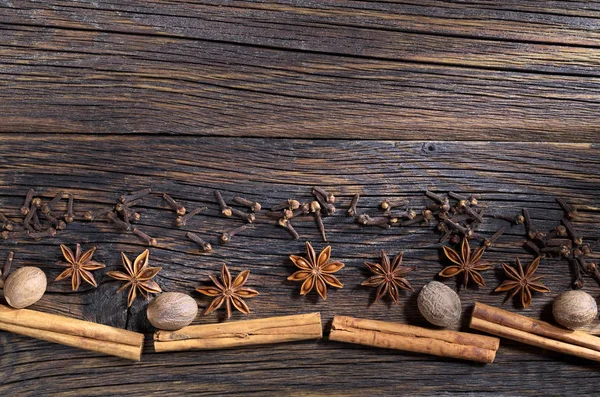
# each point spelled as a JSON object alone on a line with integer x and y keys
{"x": 388, "y": 277}
{"x": 523, "y": 282}
{"x": 78, "y": 266}
{"x": 228, "y": 291}
{"x": 139, "y": 277}
{"x": 316, "y": 272}
{"x": 466, "y": 262}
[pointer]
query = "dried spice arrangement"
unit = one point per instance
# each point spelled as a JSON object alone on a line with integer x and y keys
{"x": 172, "y": 312}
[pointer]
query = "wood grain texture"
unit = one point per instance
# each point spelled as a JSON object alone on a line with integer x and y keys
{"x": 97, "y": 169}
{"x": 367, "y": 70}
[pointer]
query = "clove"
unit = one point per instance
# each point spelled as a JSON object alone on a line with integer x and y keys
{"x": 352, "y": 209}
{"x": 532, "y": 247}
{"x": 531, "y": 232}
{"x": 225, "y": 209}
{"x": 465, "y": 231}
{"x": 56, "y": 223}
{"x": 464, "y": 206}
{"x": 577, "y": 240}
{"x": 29, "y": 216}
{"x": 50, "y": 232}
{"x": 315, "y": 208}
{"x": 128, "y": 198}
{"x": 389, "y": 204}
{"x": 28, "y": 197}
{"x": 577, "y": 279}
{"x": 248, "y": 217}
{"x": 289, "y": 204}
{"x": 7, "y": 224}
{"x": 570, "y": 211}
{"x": 408, "y": 214}
{"x": 182, "y": 220}
{"x": 91, "y": 215}
{"x": 49, "y": 206}
{"x": 253, "y": 205}
{"x": 380, "y": 221}
{"x": 226, "y": 237}
{"x": 324, "y": 200}
{"x": 304, "y": 209}
{"x": 178, "y": 208}
{"x": 149, "y": 240}
{"x": 10, "y": 235}
{"x": 118, "y": 222}
{"x": 198, "y": 240}
{"x": 69, "y": 216}
{"x": 515, "y": 220}
{"x": 36, "y": 222}
{"x": 495, "y": 236}
{"x": 287, "y": 225}
{"x": 435, "y": 197}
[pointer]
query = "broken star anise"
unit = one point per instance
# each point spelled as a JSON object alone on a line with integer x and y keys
{"x": 316, "y": 272}
{"x": 78, "y": 266}
{"x": 523, "y": 282}
{"x": 388, "y": 277}
{"x": 466, "y": 262}
{"x": 228, "y": 291}
{"x": 139, "y": 277}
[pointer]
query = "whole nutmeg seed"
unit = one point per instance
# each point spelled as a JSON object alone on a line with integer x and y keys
{"x": 24, "y": 287}
{"x": 172, "y": 311}
{"x": 439, "y": 304}
{"x": 574, "y": 309}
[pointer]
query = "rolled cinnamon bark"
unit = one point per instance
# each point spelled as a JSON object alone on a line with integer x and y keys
{"x": 442, "y": 343}
{"x": 542, "y": 328}
{"x": 533, "y": 339}
{"x": 72, "y": 332}
{"x": 240, "y": 333}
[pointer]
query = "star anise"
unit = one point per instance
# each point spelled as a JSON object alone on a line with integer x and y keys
{"x": 139, "y": 277}
{"x": 228, "y": 291}
{"x": 523, "y": 282}
{"x": 78, "y": 266}
{"x": 316, "y": 272}
{"x": 466, "y": 262}
{"x": 389, "y": 277}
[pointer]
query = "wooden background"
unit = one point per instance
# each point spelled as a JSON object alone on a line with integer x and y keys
{"x": 265, "y": 100}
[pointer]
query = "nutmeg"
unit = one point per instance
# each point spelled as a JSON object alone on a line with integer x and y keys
{"x": 172, "y": 311}
{"x": 439, "y": 304}
{"x": 24, "y": 287}
{"x": 574, "y": 309}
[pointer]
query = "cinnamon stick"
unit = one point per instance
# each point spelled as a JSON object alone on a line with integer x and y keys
{"x": 72, "y": 332}
{"x": 516, "y": 321}
{"x": 240, "y": 333}
{"x": 533, "y": 339}
{"x": 442, "y": 343}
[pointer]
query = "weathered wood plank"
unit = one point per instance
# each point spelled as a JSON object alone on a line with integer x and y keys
{"x": 58, "y": 80}
{"x": 507, "y": 176}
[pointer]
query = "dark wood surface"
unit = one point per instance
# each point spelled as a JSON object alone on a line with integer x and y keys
{"x": 385, "y": 99}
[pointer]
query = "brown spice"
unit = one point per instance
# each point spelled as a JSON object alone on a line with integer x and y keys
{"x": 79, "y": 266}
{"x": 182, "y": 220}
{"x": 522, "y": 282}
{"x": 178, "y": 208}
{"x": 316, "y": 272}
{"x": 467, "y": 262}
{"x": 253, "y": 205}
{"x": 138, "y": 277}
{"x": 28, "y": 197}
{"x": 388, "y": 278}
{"x": 198, "y": 240}
{"x": 228, "y": 291}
